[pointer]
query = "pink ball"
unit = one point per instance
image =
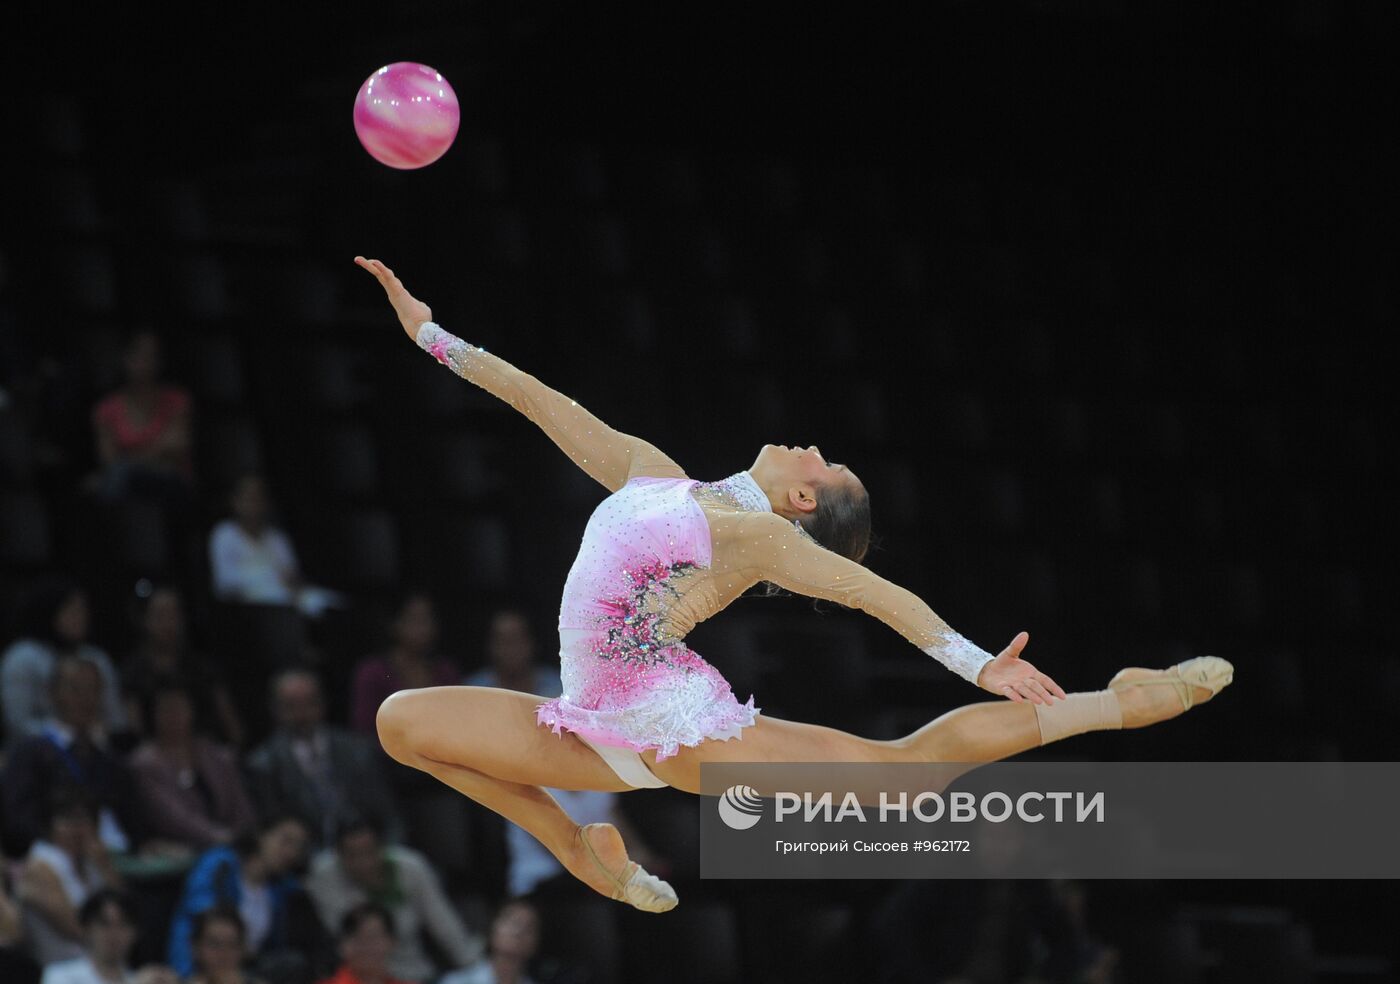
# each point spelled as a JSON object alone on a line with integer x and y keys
{"x": 406, "y": 115}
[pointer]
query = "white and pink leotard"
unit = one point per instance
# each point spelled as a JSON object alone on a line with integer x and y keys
{"x": 628, "y": 678}
{"x": 660, "y": 554}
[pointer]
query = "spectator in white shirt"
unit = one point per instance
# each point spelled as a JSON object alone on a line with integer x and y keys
{"x": 63, "y": 869}
{"x": 252, "y": 560}
{"x": 362, "y": 868}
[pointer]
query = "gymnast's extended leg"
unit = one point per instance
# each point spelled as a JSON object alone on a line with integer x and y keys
{"x": 484, "y": 742}
{"x": 976, "y": 733}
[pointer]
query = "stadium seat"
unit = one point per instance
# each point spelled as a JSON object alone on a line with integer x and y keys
{"x": 73, "y": 203}
{"x": 583, "y": 935}
{"x": 16, "y": 451}
{"x": 605, "y": 247}
{"x": 345, "y": 462}
{"x": 509, "y": 237}
{"x": 588, "y": 173}
{"x": 25, "y": 535}
{"x": 62, "y": 128}
{"x": 212, "y": 367}
{"x": 226, "y": 447}
{"x": 333, "y": 378}
{"x": 183, "y": 210}
{"x": 484, "y": 163}
{"x": 472, "y": 551}
{"x": 1003, "y": 502}
{"x": 463, "y": 467}
{"x": 700, "y": 941}
{"x": 369, "y": 550}
{"x": 314, "y": 294}
{"x": 89, "y": 279}
{"x": 1141, "y": 583}
{"x": 202, "y": 286}
{"x": 139, "y": 540}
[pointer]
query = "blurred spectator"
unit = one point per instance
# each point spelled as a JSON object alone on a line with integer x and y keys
{"x": 54, "y": 624}
{"x": 191, "y": 787}
{"x": 162, "y": 650}
{"x": 510, "y": 645}
{"x": 366, "y": 940}
{"x": 361, "y": 868}
{"x": 411, "y": 662}
{"x": 220, "y": 945}
{"x": 143, "y": 430}
{"x": 254, "y": 562}
{"x": 62, "y": 871}
{"x": 987, "y": 931}
{"x": 255, "y": 877}
{"x": 70, "y": 750}
{"x": 109, "y": 932}
{"x": 515, "y": 938}
{"x": 318, "y": 772}
{"x": 16, "y": 966}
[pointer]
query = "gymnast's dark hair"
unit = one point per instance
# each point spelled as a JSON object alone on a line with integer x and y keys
{"x": 841, "y": 521}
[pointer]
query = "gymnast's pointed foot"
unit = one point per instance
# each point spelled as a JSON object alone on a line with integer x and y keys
{"x": 1148, "y": 696}
{"x": 610, "y": 873}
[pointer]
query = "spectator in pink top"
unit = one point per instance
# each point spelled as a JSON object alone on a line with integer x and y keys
{"x": 411, "y": 661}
{"x": 144, "y": 429}
{"x": 191, "y": 787}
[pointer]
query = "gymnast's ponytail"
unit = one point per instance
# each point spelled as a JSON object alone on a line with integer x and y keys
{"x": 841, "y": 521}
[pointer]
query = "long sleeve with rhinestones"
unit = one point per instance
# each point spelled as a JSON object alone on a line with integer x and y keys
{"x": 607, "y": 455}
{"x": 774, "y": 550}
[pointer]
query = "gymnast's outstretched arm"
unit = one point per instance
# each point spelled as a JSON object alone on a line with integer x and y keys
{"x": 775, "y": 550}
{"x": 607, "y": 455}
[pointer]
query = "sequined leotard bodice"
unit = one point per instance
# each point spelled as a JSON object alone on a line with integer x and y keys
{"x": 660, "y": 554}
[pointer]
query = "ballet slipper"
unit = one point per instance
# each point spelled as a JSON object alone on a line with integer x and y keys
{"x": 1210, "y": 672}
{"x": 642, "y": 890}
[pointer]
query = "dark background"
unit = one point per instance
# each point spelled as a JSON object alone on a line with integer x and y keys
{"x": 1096, "y": 297}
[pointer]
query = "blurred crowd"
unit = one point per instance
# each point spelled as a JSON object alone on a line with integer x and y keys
{"x": 137, "y": 807}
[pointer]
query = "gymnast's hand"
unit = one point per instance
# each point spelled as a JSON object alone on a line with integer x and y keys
{"x": 1010, "y": 676}
{"x": 411, "y": 311}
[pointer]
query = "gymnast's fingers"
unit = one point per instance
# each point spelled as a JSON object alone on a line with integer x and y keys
{"x": 1039, "y": 689}
{"x": 380, "y": 272}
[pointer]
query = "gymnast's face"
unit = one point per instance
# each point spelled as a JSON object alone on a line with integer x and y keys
{"x": 793, "y": 477}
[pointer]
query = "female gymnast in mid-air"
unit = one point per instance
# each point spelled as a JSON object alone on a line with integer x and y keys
{"x": 639, "y": 708}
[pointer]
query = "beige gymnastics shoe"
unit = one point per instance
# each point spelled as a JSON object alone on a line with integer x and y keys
{"x": 1209, "y": 672}
{"x": 641, "y": 890}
